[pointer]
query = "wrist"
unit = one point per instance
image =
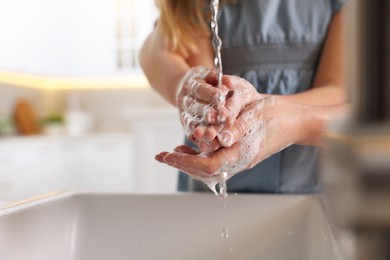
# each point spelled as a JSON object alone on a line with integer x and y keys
{"x": 294, "y": 121}
{"x": 313, "y": 125}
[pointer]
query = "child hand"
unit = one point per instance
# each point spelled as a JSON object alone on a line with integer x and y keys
{"x": 199, "y": 101}
{"x": 240, "y": 94}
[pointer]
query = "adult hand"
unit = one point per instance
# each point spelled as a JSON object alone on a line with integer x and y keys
{"x": 265, "y": 127}
{"x": 241, "y": 93}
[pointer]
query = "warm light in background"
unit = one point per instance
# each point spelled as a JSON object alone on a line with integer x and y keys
{"x": 69, "y": 83}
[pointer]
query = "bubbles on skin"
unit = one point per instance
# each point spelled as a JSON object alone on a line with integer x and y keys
{"x": 185, "y": 83}
{"x": 249, "y": 145}
{"x": 206, "y": 113}
{"x": 245, "y": 93}
{"x": 194, "y": 84}
{"x": 190, "y": 122}
{"x": 258, "y": 142}
{"x": 219, "y": 100}
{"x": 188, "y": 85}
{"x": 249, "y": 148}
{"x": 203, "y": 72}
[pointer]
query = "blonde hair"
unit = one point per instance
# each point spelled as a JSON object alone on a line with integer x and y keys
{"x": 182, "y": 22}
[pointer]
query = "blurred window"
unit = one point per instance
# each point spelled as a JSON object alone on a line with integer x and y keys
{"x": 135, "y": 19}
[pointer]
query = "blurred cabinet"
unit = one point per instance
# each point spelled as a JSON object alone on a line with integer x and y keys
{"x": 32, "y": 166}
{"x": 155, "y": 131}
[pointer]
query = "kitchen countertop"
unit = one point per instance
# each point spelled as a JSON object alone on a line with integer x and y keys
{"x": 64, "y": 138}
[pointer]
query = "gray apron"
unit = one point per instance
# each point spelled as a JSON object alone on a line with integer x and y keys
{"x": 276, "y": 46}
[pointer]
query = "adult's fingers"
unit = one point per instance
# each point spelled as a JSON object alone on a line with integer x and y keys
{"x": 234, "y": 106}
{"x": 186, "y": 149}
{"x": 212, "y": 132}
{"x": 210, "y": 164}
{"x": 192, "y": 172}
{"x": 205, "y": 168}
{"x": 250, "y": 118}
{"x": 207, "y": 132}
{"x": 197, "y": 164}
{"x": 209, "y": 147}
{"x": 241, "y": 94}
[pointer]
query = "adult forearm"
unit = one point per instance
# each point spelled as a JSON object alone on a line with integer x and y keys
{"x": 315, "y": 120}
{"x": 319, "y": 96}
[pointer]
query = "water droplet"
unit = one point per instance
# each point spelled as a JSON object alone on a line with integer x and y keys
{"x": 290, "y": 233}
{"x": 222, "y": 184}
{"x": 231, "y": 249}
{"x": 224, "y": 174}
{"x": 235, "y": 194}
{"x": 222, "y": 192}
{"x": 225, "y": 233}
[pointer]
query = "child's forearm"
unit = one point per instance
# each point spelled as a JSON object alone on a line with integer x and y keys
{"x": 163, "y": 69}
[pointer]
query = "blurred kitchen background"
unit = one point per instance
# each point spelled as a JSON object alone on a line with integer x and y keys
{"x": 76, "y": 111}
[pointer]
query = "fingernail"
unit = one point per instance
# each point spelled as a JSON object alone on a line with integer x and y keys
{"x": 192, "y": 138}
{"x": 219, "y": 98}
{"x": 209, "y": 118}
{"x": 225, "y": 137}
{"x": 159, "y": 158}
{"x": 221, "y": 119}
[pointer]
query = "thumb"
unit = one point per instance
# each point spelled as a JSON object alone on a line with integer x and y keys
{"x": 242, "y": 126}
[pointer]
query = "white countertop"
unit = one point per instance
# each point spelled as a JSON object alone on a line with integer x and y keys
{"x": 47, "y": 139}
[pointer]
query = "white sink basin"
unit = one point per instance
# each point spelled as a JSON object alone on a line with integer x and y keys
{"x": 195, "y": 226}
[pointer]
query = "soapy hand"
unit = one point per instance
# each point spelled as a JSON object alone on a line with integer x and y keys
{"x": 241, "y": 93}
{"x": 199, "y": 102}
{"x": 263, "y": 128}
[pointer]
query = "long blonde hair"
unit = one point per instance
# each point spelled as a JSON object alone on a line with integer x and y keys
{"x": 182, "y": 22}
